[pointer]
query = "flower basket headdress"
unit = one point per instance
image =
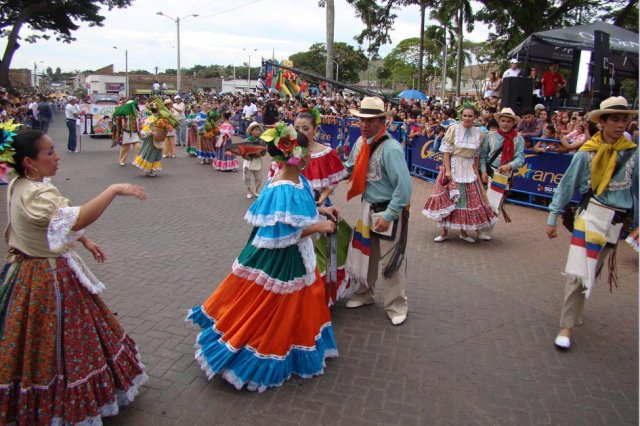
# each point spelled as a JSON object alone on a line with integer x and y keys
{"x": 285, "y": 139}
{"x": 7, "y": 132}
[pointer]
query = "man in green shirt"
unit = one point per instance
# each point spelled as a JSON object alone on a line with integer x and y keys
{"x": 605, "y": 170}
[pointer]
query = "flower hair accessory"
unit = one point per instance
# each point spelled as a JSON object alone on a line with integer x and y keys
{"x": 285, "y": 138}
{"x": 7, "y": 132}
{"x": 317, "y": 118}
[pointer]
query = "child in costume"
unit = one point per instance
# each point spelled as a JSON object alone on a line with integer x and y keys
{"x": 207, "y": 136}
{"x": 268, "y": 318}
{"x": 223, "y": 161}
{"x": 252, "y": 164}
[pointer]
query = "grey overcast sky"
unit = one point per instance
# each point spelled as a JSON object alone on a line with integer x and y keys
{"x": 217, "y": 36}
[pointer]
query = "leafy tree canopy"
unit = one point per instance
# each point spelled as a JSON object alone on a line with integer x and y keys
{"x": 46, "y": 18}
{"x": 350, "y": 60}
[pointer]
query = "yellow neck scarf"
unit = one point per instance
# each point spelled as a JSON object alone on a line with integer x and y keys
{"x": 605, "y": 159}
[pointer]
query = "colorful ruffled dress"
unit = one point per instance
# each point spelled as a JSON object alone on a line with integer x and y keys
{"x": 443, "y": 198}
{"x": 268, "y": 319}
{"x": 223, "y": 161}
{"x": 149, "y": 158}
{"x": 194, "y": 122}
{"x": 206, "y": 149}
{"x": 64, "y": 358}
{"x": 325, "y": 170}
{"x": 472, "y": 211}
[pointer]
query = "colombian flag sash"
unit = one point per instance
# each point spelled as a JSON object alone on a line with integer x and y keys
{"x": 592, "y": 231}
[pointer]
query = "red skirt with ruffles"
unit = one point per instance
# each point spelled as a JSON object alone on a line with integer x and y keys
{"x": 64, "y": 358}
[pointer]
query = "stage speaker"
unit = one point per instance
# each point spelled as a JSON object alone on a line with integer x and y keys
{"x": 517, "y": 93}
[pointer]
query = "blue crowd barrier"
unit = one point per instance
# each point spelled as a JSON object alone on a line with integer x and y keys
{"x": 354, "y": 132}
{"x": 236, "y": 122}
{"x": 332, "y": 134}
{"x": 533, "y": 184}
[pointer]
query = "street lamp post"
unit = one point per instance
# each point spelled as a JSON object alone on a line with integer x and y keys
{"x": 35, "y": 74}
{"x": 177, "y": 21}
{"x": 126, "y": 72}
{"x": 249, "y": 68}
{"x": 337, "y": 64}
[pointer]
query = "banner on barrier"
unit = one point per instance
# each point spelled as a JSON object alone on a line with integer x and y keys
{"x": 236, "y": 122}
{"x": 539, "y": 175}
{"x": 423, "y": 155}
{"x": 329, "y": 135}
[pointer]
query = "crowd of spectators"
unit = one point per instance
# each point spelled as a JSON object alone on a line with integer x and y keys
{"x": 543, "y": 130}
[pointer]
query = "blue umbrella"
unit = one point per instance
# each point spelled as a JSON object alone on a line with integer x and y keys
{"x": 412, "y": 94}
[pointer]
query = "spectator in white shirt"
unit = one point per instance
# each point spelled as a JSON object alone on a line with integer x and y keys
{"x": 72, "y": 113}
{"x": 178, "y": 112}
{"x": 33, "y": 109}
{"x": 248, "y": 111}
{"x": 513, "y": 71}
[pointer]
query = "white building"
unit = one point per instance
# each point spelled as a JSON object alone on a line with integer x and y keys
{"x": 97, "y": 83}
{"x": 238, "y": 86}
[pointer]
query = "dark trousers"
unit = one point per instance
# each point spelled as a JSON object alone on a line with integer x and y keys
{"x": 71, "y": 143}
{"x": 44, "y": 125}
{"x": 551, "y": 102}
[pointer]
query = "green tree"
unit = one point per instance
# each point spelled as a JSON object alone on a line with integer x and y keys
{"x": 461, "y": 14}
{"x": 378, "y": 20}
{"x": 46, "y": 18}
{"x": 351, "y": 60}
{"x": 481, "y": 54}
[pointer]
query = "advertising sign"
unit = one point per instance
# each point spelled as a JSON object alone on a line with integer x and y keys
{"x": 329, "y": 135}
{"x": 115, "y": 87}
{"x": 100, "y": 123}
{"x": 539, "y": 175}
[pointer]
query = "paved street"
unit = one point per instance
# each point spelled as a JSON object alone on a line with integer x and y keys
{"x": 477, "y": 348}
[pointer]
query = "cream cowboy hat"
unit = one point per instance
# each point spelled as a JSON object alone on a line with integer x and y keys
{"x": 612, "y": 105}
{"x": 370, "y": 107}
{"x": 507, "y": 112}
{"x": 252, "y": 125}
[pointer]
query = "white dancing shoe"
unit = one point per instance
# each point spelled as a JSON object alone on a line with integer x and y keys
{"x": 467, "y": 238}
{"x": 440, "y": 239}
{"x": 398, "y": 320}
{"x": 562, "y": 343}
{"x": 484, "y": 236}
{"x": 352, "y": 304}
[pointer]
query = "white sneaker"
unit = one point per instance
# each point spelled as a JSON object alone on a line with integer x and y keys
{"x": 256, "y": 194}
{"x": 351, "y": 304}
{"x": 484, "y": 236}
{"x": 398, "y": 320}
{"x": 467, "y": 238}
{"x": 122, "y": 164}
{"x": 562, "y": 342}
{"x": 440, "y": 239}
{"x": 249, "y": 196}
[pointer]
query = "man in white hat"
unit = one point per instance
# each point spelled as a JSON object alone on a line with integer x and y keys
{"x": 513, "y": 70}
{"x": 380, "y": 176}
{"x": 178, "y": 112}
{"x": 502, "y": 153}
{"x": 72, "y": 113}
{"x": 605, "y": 172}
